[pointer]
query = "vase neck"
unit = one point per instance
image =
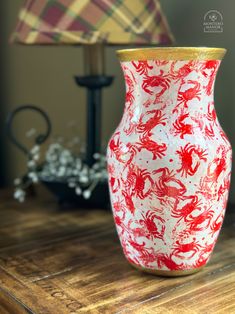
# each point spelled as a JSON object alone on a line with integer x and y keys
{"x": 184, "y": 86}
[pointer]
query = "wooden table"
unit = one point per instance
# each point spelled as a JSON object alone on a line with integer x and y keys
{"x": 61, "y": 262}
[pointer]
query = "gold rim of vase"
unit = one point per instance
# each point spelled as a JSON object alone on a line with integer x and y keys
{"x": 168, "y": 273}
{"x": 171, "y": 53}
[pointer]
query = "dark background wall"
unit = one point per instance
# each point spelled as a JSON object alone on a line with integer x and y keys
{"x": 3, "y": 94}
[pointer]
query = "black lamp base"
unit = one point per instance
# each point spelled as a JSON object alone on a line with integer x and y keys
{"x": 94, "y": 85}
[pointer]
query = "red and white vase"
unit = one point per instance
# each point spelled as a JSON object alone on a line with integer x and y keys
{"x": 169, "y": 160}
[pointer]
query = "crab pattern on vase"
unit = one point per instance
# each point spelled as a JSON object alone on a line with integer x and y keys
{"x": 169, "y": 164}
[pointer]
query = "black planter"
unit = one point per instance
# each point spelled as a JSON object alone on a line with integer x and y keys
{"x": 67, "y": 197}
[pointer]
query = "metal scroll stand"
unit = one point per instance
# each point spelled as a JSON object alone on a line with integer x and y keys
{"x": 40, "y": 139}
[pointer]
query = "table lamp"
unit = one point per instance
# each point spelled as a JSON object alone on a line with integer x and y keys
{"x": 93, "y": 24}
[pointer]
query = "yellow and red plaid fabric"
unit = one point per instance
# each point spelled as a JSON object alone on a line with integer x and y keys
{"x": 92, "y": 21}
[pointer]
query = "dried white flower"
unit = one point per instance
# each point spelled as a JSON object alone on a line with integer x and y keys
{"x": 36, "y": 157}
{"x": 19, "y": 194}
{"x": 78, "y": 164}
{"x": 21, "y": 199}
{"x": 86, "y": 194}
{"x": 72, "y": 184}
{"x": 61, "y": 171}
{"x": 17, "y": 181}
{"x": 35, "y": 149}
{"x": 31, "y": 163}
{"x": 30, "y": 132}
{"x": 96, "y": 156}
{"x": 83, "y": 179}
{"x": 33, "y": 176}
{"x": 78, "y": 190}
{"x": 75, "y": 172}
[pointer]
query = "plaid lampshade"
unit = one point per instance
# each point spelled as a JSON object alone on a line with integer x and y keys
{"x": 92, "y": 21}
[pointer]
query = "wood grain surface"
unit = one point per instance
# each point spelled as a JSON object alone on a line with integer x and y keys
{"x": 67, "y": 262}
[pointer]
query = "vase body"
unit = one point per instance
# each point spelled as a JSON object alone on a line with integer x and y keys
{"x": 169, "y": 161}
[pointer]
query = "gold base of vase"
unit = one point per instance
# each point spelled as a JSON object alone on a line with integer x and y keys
{"x": 168, "y": 273}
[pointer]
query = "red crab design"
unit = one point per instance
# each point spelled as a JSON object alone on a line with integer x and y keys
{"x": 129, "y": 202}
{"x": 217, "y": 166}
{"x": 116, "y": 147}
{"x": 197, "y": 223}
{"x": 186, "y": 156}
{"x": 216, "y": 224}
{"x": 114, "y": 182}
{"x": 123, "y": 153}
{"x": 136, "y": 181}
{"x": 189, "y": 94}
{"x": 168, "y": 186}
{"x": 129, "y": 125}
{"x": 142, "y": 67}
{"x": 207, "y": 248}
{"x": 205, "y": 190}
{"x": 145, "y": 255}
{"x": 167, "y": 261}
{"x": 132, "y": 150}
{"x": 160, "y": 63}
{"x": 158, "y": 150}
{"x": 209, "y": 132}
{"x": 198, "y": 118}
{"x": 181, "y": 127}
{"x": 119, "y": 221}
{"x": 157, "y": 118}
{"x": 204, "y": 255}
{"x": 193, "y": 204}
{"x": 147, "y": 103}
{"x": 224, "y": 187}
{"x": 209, "y": 65}
{"x": 181, "y": 249}
{"x": 118, "y": 206}
{"x": 211, "y": 113}
{"x": 201, "y": 261}
{"x": 138, "y": 247}
{"x": 160, "y": 80}
{"x": 224, "y": 137}
{"x": 154, "y": 230}
{"x": 182, "y": 72}
{"x": 129, "y": 90}
{"x": 212, "y": 66}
